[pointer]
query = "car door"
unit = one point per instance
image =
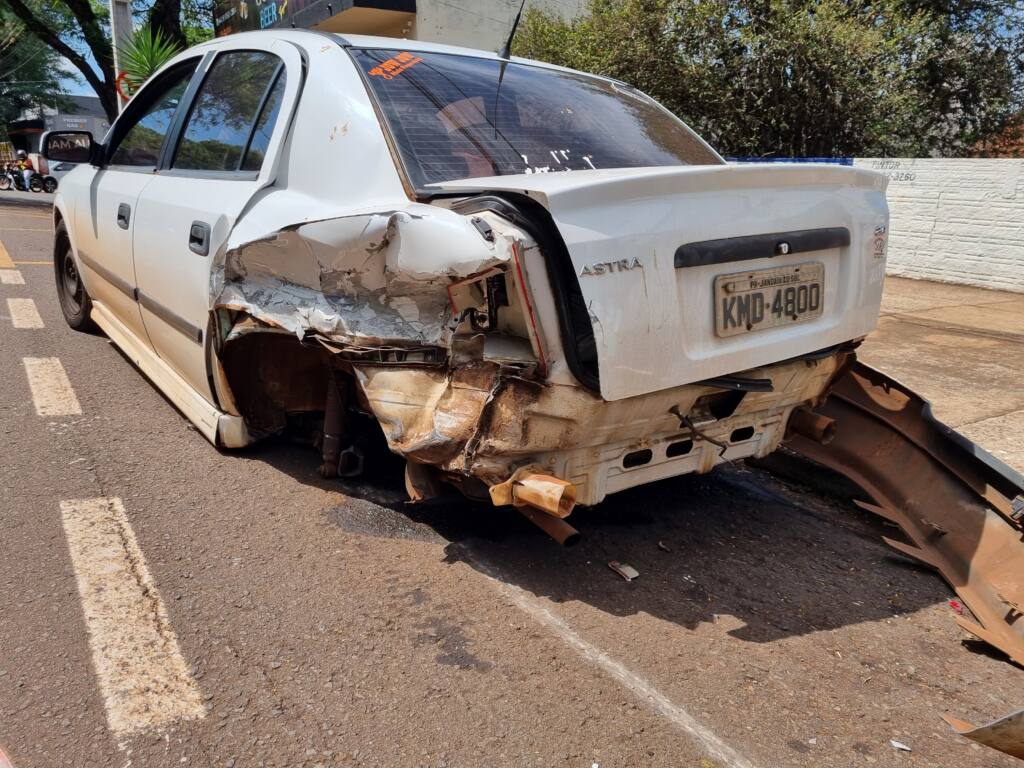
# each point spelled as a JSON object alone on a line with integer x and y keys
{"x": 105, "y": 211}
{"x": 226, "y": 150}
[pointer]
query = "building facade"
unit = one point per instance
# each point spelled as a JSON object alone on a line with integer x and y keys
{"x": 481, "y": 24}
{"x": 82, "y": 113}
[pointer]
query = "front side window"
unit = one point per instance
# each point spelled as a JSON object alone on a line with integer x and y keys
{"x": 234, "y": 111}
{"x": 455, "y": 117}
{"x": 140, "y": 146}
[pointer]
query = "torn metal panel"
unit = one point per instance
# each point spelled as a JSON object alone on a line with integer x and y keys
{"x": 485, "y": 420}
{"x": 954, "y": 501}
{"x": 430, "y": 416}
{"x": 366, "y": 280}
{"x": 1005, "y": 734}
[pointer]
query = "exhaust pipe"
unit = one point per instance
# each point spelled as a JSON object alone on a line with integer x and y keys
{"x": 555, "y": 527}
{"x": 814, "y": 426}
{"x": 544, "y": 500}
{"x": 547, "y": 493}
{"x": 530, "y": 487}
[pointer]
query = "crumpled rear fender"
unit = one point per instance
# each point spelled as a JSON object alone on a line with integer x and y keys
{"x": 366, "y": 280}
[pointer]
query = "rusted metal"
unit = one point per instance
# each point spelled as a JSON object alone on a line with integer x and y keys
{"x": 813, "y": 425}
{"x": 953, "y": 501}
{"x": 530, "y": 487}
{"x": 421, "y": 482}
{"x": 1005, "y": 734}
{"x": 555, "y": 527}
{"x": 334, "y": 413}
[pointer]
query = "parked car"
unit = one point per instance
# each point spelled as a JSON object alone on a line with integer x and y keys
{"x": 59, "y": 171}
{"x": 540, "y": 284}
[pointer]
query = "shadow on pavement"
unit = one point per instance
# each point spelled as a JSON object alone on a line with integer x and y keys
{"x": 740, "y": 543}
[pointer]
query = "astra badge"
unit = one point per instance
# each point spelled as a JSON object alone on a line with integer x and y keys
{"x": 604, "y": 267}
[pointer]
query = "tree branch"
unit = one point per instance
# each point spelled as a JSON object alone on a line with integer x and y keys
{"x": 104, "y": 87}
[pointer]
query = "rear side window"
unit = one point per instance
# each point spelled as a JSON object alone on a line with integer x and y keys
{"x": 141, "y": 144}
{"x": 232, "y": 118}
{"x": 455, "y": 117}
{"x": 264, "y": 126}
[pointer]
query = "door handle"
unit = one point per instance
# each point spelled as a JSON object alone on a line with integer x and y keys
{"x": 124, "y": 214}
{"x": 199, "y": 238}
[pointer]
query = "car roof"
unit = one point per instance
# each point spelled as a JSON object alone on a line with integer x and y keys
{"x": 423, "y": 46}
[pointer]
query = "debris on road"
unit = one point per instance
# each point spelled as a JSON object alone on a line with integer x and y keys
{"x": 899, "y": 745}
{"x": 664, "y": 547}
{"x": 1005, "y": 734}
{"x": 624, "y": 570}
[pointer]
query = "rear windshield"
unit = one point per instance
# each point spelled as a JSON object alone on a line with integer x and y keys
{"x": 458, "y": 117}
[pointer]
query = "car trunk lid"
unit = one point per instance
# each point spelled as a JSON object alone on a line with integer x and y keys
{"x": 657, "y": 251}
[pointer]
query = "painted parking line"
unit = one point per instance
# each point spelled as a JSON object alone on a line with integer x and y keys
{"x": 142, "y": 675}
{"x": 5, "y": 257}
{"x": 24, "y": 313}
{"x": 701, "y": 735}
{"x": 34, "y": 263}
{"x": 52, "y": 394}
{"x": 25, "y": 229}
{"x": 11, "y": 277}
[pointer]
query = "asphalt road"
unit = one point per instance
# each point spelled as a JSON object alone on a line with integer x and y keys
{"x": 331, "y": 624}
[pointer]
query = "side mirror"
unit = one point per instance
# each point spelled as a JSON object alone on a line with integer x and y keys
{"x": 71, "y": 147}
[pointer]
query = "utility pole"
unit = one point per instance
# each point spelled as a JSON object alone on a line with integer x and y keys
{"x": 120, "y": 33}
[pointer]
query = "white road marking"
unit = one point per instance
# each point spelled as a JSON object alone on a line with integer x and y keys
{"x": 11, "y": 277}
{"x": 706, "y": 740}
{"x": 24, "y": 313}
{"x": 52, "y": 394}
{"x": 143, "y": 677}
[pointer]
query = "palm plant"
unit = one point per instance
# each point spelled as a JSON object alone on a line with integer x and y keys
{"x": 145, "y": 52}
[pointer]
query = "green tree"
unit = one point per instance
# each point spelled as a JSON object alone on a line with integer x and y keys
{"x": 29, "y": 72}
{"x": 79, "y": 31}
{"x": 804, "y": 77}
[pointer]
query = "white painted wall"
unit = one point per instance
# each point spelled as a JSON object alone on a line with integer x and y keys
{"x": 956, "y": 220}
{"x": 483, "y": 24}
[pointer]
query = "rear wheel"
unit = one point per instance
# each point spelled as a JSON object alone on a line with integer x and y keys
{"x": 36, "y": 184}
{"x": 49, "y": 185}
{"x": 74, "y": 301}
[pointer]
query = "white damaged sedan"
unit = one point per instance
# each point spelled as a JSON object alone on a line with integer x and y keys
{"x": 540, "y": 284}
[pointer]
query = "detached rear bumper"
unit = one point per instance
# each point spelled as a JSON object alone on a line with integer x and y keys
{"x": 478, "y": 421}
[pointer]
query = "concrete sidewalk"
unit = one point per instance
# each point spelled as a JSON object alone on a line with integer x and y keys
{"x": 963, "y": 349}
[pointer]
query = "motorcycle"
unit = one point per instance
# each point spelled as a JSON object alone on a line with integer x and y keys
{"x": 13, "y": 179}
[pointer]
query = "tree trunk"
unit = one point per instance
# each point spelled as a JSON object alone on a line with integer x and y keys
{"x": 165, "y": 16}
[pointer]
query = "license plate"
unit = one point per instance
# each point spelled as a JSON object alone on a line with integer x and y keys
{"x": 768, "y": 298}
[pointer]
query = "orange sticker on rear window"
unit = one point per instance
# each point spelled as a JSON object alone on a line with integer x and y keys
{"x": 390, "y": 68}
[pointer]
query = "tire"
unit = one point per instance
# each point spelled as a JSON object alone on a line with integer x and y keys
{"x": 36, "y": 184}
{"x": 49, "y": 185}
{"x": 74, "y": 301}
{"x": 5, "y": 183}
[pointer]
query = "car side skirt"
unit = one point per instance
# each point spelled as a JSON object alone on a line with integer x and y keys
{"x": 221, "y": 429}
